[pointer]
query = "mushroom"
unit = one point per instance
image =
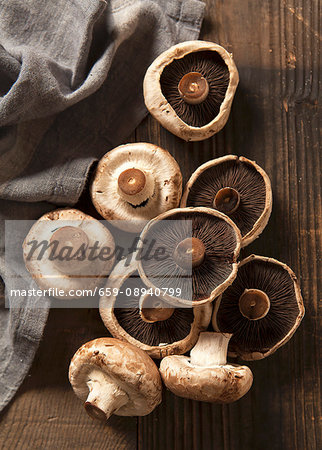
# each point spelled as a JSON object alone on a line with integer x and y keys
{"x": 146, "y": 320}
{"x": 67, "y": 251}
{"x": 262, "y": 308}
{"x": 205, "y": 375}
{"x": 134, "y": 183}
{"x": 190, "y": 87}
{"x": 114, "y": 377}
{"x": 235, "y": 186}
{"x": 193, "y": 254}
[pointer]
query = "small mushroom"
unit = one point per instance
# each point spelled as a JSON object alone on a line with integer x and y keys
{"x": 200, "y": 249}
{"x": 114, "y": 377}
{"x": 190, "y": 87}
{"x": 146, "y": 320}
{"x": 134, "y": 183}
{"x": 262, "y": 308}
{"x": 235, "y": 186}
{"x": 206, "y": 376}
{"x": 67, "y": 251}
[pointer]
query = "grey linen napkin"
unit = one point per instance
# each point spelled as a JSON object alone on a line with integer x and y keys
{"x": 71, "y": 77}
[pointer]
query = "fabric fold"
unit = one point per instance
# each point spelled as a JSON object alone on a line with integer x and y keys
{"x": 71, "y": 78}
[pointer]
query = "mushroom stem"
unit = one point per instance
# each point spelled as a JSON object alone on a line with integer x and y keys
{"x": 135, "y": 186}
{"x": 189, "y": 253}
{"x": 210, "y": 350}
{"x": 153, "y": 309}
{"x": 254, "y": 304}
{"x": 227, "y": 200}
{"x": 104, "y": 397}
{"x": 193, "y": 88}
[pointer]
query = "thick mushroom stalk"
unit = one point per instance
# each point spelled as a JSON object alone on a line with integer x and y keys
{"x": 70, "y": 245}
{"x": 105, "y": 397}
{"x": 227, "y": 200}
{"x": 206, "y": 375}
{"x": 254, "y": 304}
{"x": 193, "y": 88}
{"x": 136, "y": 186}
{"x": 189, "y": 253}
{"x": 153, "y": 309}
{"x": 210, "y": 350}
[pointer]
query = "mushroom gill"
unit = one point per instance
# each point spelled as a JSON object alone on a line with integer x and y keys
{"x": 213, "y": 243}
{"x": 234, "y": 187}
{"x": 260, "y": 307}
{"x": 195, "y": 86}
{"x": 173, "y": 329}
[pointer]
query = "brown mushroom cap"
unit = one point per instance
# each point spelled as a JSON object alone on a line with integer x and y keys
{"x": 175, "y": 332}
{"x": 190, "y": 87}
{"x": 235, "y": 186}
{"x": 134, "y": 183}
{"x": 66, "y": 265}
{"x": 262, "y": 308}
{"x": 207, "y": 380}
{"x": 114, "y": 377}
{"x": 213, "y": 268}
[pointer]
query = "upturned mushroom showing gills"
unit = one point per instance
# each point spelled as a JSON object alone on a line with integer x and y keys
{"x": 193, "y": 254}
{"x": 235, "y": 186}
{"x": 114, "y": 377}
{"x": 205, "y": 375}
{"x": 146, "y": 320}
{"x": 262, "y": 308}
{"x": 62, "y": 252}
{"x": 134, "y": 183}
{"x": 189, "y": 89}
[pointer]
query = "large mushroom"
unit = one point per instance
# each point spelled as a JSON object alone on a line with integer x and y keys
{"x": 192, "y": 254}
{"x": 190, "y": 87}
{"x": 67, "y": 251}
{"x": 262, "y": 308}
{"x": 236, "y": 186}
{"x": 134, "y": 183}
{"x": 114, "y": 377}
{"x": 205, "y": 375}
{"x": 146, "y": 320}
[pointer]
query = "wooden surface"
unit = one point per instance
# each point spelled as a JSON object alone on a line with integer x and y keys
{"x": 274, "y": 120}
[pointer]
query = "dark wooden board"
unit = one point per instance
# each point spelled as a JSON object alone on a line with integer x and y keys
{"x": 274, "y": 121}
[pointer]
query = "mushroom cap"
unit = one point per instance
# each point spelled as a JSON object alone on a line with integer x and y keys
{"x": 160, "y": 108}
{"x": 257, "y": 339}
{"x": 128, "y": 366}
{"x": 46, "y": 273}
{"x": 243, "y": 175}
{"x": 152, "y": 160}
{"x": 123, "y": 319}
{"x": 218, "y": 269}
{"x": 218, "y": 384}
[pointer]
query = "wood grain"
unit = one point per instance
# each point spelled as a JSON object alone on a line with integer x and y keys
{"x": 274, "y": 121}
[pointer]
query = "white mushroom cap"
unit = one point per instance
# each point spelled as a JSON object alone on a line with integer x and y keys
{"x": 161, "y": 185}
{"x": 206, "y": 376}
{"x": 118, "y": 277}
{"x": 160, "y": 108}
{"x": 84, "y": 273}
{"x": 114, "y": 377}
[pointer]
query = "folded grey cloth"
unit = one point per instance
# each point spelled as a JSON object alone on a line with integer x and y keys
{"x": 71, "y": 88}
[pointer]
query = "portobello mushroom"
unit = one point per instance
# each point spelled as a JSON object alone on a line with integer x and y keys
{"x": 199, "y": 259}
{"x": 262, "y": 308}
{"x": 132, "y": 312}
{"x": 236, "y": 186}
{"x": 190, "y": 87}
